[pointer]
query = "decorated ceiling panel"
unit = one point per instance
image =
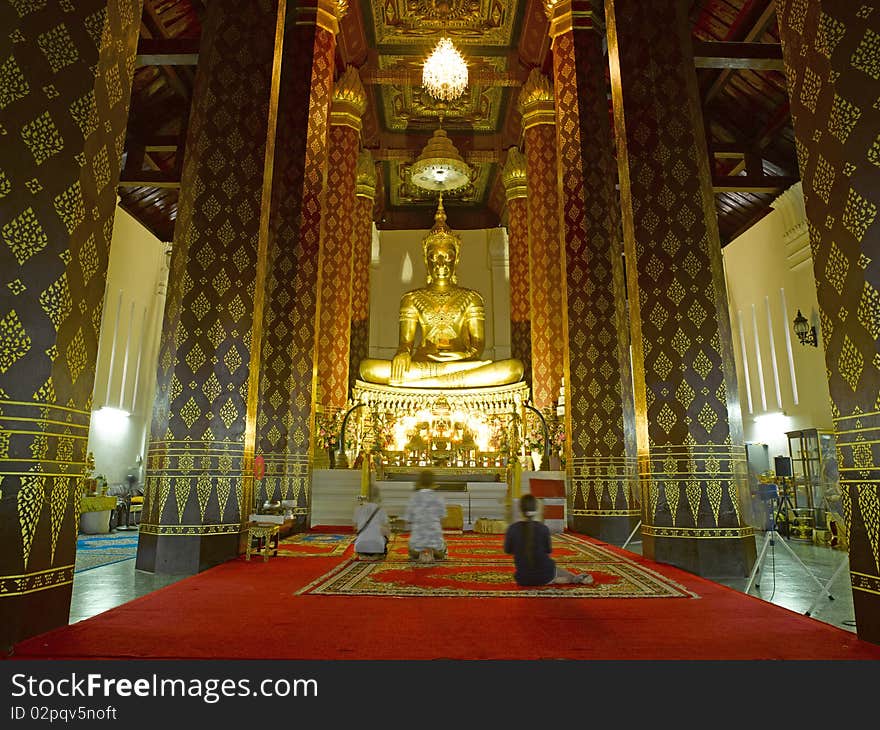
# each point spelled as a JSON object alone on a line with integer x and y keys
{"x": 410, "y": 107}
{"x": 468, "y": 22}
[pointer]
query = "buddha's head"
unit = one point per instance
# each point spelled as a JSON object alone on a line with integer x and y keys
{"x": 442, "y": 248}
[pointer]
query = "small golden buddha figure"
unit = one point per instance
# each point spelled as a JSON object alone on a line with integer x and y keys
{"x": 452, "y": 320}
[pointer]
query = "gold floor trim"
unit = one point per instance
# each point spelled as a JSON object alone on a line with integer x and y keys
{"x": 17, "y": 585}
{"x": 701, "y": 533}
{"x": 604, "y": 513}
{"x": 189, "y": 530}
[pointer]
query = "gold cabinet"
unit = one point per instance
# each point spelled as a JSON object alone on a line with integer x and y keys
{"x": 815, "y": 476}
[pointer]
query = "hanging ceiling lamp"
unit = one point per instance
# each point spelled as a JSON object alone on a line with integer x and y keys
{"x": 440, "y": 166}
{"x": 445, "y": 74}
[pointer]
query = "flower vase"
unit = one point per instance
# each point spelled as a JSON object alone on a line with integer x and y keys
{"x": 332, "y": 455}
{"x": 536, "y": 460}
{"x": 555, "y": 462}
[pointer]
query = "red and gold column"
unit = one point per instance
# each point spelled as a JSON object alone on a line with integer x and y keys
{"x": 690, "y": 444}
{"x": 284, "y": 412}
{"x": 196, "y": 497}
{"x": 545, "y": 256}
{"x": 513, "y": 177}
{"x": 365, "y": 192}
{"x": 599, "y": 412}
{"x": 832, "y": 61}
{"x": 65, "y": 84}
{"x": 349, "y": 103}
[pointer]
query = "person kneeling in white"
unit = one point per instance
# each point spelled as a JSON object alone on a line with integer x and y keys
{"x": 373, "y": 530}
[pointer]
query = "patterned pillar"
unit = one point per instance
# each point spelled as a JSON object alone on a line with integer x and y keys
{"x": 832, "y": 62}
{"x": 545, "y": 256}
{"x": 284, "y": 411}
{"x": 692, "y": 458}
{"x": 365, "y": 191}
{"x": 337, "y": 241}
{"x": 194, "y": 503}
{"x": 65, "y": 83}
{"x": 514, "y": 178}
{"x": 599, "y": 410}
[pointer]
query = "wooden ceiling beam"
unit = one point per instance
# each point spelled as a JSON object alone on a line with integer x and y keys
{"x": 751, "y": 183}
{"x": 766, "y": 12}
{"x": 388, "y": 154}
{"x": 167, "y": 52}
{"x": 372, "y": 76}
{"x": 728, "y": 55}
{"x": 149, "y": 179}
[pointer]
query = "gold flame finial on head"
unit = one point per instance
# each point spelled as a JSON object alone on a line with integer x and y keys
{"x": 441, "y": 235}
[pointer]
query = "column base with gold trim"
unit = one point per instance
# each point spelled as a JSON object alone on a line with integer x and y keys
{"x": 710, "y": 552}
{"x": 187, "y": 549}
{"x": 34, "y": 603}
{"x": 611, "y": 528}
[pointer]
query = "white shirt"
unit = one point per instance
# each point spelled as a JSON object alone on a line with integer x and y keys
{"x": 424, "y": 513}
{"x": 372, "y": 537}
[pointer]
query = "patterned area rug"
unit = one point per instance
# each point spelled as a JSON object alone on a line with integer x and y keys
{"x": 315, "y": 544}
{"x": 474, "y": 578}
{"x": 490, "y": 548}
{"x": 477, "y": 567}
{"x": 93, "y": 551}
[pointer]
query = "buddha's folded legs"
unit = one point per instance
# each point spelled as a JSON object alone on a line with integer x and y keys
{"x": 458, "y": 374}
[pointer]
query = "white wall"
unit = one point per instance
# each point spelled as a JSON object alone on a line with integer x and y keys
{"x": 398, "y": 266}
{"x": 782, "y": 383}
{"x": 125, "y": 376}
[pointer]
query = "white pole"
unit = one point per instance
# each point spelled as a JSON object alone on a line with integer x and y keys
{"x": 794, "y": 389}
{"x": 113, "y": 349}
{"x": 745, "y": 357}
{"x": 758, "y": 358}
{"x": 125, "y": 359}
{"x": 773, "y": 354}
{"x": 137, "y": 369}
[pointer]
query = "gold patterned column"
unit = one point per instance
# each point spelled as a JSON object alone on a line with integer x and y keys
{"x": 687, "y": 414}
{"x": 516, "y": 190}
{"x": 284, "y": 410}
{"x": 832, "y": 61}
{"x": 337, "y": 240}
{"x": 195, "y": 502}
{"x": 365, "y": 192}
{"x": 599, "y": 409}
{"x": 65, "y": 82}
{"x": 545, "y": 256}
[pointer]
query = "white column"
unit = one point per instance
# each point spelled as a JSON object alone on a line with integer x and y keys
{"x": 500, "y": 305}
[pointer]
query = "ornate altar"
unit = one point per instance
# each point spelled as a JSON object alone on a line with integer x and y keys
{"x": 465, "y": 428}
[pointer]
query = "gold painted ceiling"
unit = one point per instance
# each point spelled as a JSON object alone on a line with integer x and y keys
{"x": 745, "y": 107}
{"x": 402, "y": 34}
{"x": 468, "y": 22}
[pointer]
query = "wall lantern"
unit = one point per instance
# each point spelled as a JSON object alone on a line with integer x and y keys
{"x": 805, "y": 331}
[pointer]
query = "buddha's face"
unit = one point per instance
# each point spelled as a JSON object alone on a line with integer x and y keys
{"x": 440, "y": 261}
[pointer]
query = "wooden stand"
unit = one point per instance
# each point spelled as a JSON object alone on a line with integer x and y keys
{"x": 266, "y": 536}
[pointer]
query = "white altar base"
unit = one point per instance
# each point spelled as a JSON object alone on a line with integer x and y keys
{"x": 335, "y": 493}
{"x": 478, "y": 499}
{"x": 334, "y": 496}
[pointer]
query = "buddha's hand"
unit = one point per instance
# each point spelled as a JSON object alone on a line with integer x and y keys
{"x": 449, "y": 356}
{"x": 400, "y": 366}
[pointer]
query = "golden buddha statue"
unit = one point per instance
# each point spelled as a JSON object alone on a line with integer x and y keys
{"x": 452, "y": 321}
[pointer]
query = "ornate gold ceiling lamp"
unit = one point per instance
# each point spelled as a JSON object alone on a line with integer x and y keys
{"x": 440, "y": 167}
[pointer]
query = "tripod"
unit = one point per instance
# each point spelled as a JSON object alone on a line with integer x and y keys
{"x": 770, "y": 541}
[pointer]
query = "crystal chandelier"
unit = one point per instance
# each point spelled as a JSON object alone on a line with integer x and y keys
{"x": 445, "y": 75}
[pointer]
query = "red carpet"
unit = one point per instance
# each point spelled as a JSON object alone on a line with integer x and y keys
{"x": 207, "y": 621}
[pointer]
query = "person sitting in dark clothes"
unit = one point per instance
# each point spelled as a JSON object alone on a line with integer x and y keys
{"x": 529, "y": 543}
